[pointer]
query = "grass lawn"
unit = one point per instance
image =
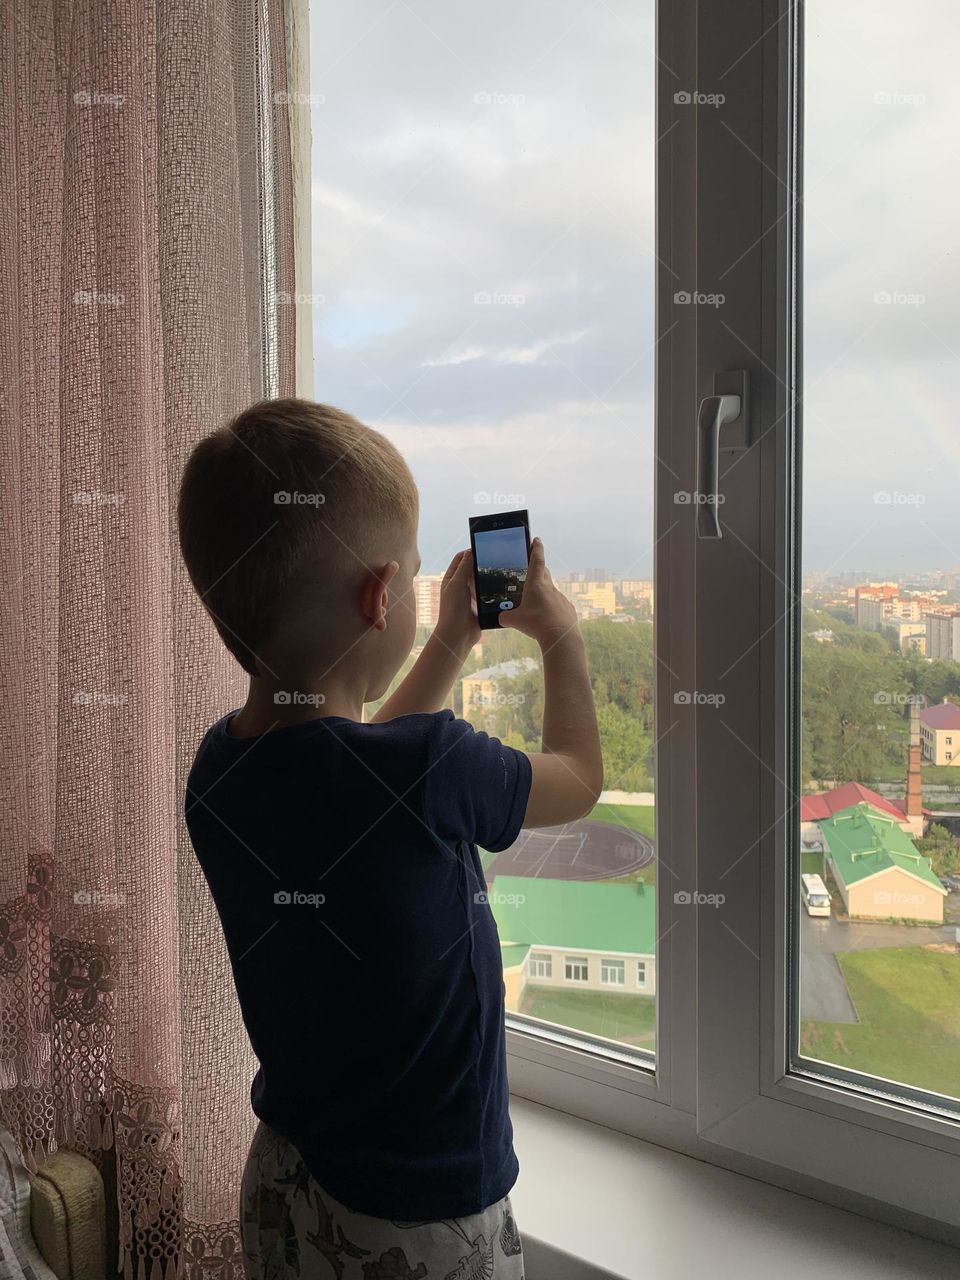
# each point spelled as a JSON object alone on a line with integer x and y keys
{"x": 639, "y": 817}
{"x": 908, "y": 1002}
{"x": 627, "y": 1018}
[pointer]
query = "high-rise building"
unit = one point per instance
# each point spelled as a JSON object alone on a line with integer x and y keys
{"x": 943, "y": 633}
{"x": 426, "y": 588}
{"x": 869, "y": 602}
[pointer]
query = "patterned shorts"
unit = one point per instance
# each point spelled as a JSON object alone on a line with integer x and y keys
{"x": 291, "y": 1227}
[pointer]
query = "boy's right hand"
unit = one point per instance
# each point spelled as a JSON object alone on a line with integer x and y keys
{"x": 544, "y": 613}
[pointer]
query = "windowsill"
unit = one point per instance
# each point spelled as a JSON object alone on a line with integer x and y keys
{"x": 621, "y": 1207}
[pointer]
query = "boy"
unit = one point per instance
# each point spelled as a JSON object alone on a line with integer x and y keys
{"x": 342, "y": 855}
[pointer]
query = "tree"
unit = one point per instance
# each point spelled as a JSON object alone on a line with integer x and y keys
{"x": 854, "y": 697}
{"x": 626, "y": 749}
{"x": 943, "y": 850}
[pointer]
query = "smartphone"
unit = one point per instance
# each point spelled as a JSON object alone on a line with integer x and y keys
{"x": 501, "y": 551}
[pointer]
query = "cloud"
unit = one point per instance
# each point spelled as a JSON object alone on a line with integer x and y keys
{"x": 450, "y": 162}
{"x": 528, "y": 354}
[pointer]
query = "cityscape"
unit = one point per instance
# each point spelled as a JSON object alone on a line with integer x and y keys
{"x": 879, "y": 824}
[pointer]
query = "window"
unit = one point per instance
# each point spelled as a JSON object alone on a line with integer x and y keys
{"x": 612, "y": 972}
{"x": 882, "y": 105}
{"x": 815, "y": 1035}
{"x": 486, "y": 297}
{"x": 484, "y": 268}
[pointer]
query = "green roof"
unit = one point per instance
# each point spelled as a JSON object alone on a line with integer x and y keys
{"x": 587, "y": 915}
{"x": 513, "y": 953}
{"x": 863, "y": 842}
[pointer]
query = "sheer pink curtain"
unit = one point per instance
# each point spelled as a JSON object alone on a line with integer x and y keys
{"x": 145, "y": 247}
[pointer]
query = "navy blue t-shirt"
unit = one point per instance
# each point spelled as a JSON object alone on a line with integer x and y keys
{"x": 343, "y": 863}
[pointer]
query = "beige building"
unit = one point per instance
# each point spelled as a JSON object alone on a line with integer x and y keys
{"x": 940, "y": 734}
{"x": 575, "y": 935}
{"x": 489, "y": 687}
{"x": 880, "y": 873}
{"x": 591, "y": 599}
{"x": 910, "y": 635}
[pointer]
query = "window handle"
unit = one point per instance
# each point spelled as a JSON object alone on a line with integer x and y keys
{"x": 728, "y": 408}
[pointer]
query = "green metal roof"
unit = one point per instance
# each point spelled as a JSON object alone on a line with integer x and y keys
{"x": 587, "y": 915}
{"x": 513, "y": 953}
{"x": 863, "y": 842}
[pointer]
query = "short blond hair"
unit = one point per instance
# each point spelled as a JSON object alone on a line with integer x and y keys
{"x": 287, "y": 483}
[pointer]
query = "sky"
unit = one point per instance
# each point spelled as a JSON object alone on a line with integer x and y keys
{"x": 501, "y": 549}
{"x": 483, "y": 268}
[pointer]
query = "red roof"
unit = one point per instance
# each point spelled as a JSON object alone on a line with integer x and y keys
{"x": 827, "y": 803}
{"x": 945, "y": 715}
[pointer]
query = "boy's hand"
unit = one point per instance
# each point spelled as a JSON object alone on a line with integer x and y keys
{"x": 544, "y": 613}
{"x": 457, "y": 624}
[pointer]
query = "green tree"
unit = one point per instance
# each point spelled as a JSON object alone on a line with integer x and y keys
{"x": 853, "y": 702}
{"x": 626, "y": 749}
{"x": 943, "y": 850}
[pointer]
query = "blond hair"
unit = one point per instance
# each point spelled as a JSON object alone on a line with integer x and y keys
{"x": 288, "y": 484}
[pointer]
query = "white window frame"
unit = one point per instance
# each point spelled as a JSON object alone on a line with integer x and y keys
{"x": 576, "y": 962}
{"x": 541, "y": 964}
{"x": 608, "y": 965}
{"x": 886, "y": 1152}
{"x": 720, "y": 1086}
{"x": 641, "y": 974}
{"x": 633, "y": 1090}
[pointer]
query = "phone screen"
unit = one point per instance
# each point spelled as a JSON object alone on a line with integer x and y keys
{"x": 500, "y": 562}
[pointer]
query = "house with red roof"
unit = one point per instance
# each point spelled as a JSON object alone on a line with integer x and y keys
{"x": 825, "y": 804}
{"x": 940, "y": 733}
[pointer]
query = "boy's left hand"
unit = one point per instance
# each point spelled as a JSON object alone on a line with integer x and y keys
{"x": 457, "y": 624}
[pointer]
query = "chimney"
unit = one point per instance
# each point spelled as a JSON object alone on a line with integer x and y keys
{"x": 914, "y": 804}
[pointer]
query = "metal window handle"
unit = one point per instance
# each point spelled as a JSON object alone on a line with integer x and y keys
{"x": 714, "y": 412}
{"x": 729, "y": 407}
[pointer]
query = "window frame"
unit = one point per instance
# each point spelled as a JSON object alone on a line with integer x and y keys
{"x": 893, "y": 1154}
{"x": 572, "y": 962}
{"x": 634, "y": 1091}
{"x": 726, "y": 1069}
{"x": 720, "y": 1087}
{"x": 610, "y": 963}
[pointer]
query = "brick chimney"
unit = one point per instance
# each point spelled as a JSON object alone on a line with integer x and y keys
{"x": 914, "y": 802}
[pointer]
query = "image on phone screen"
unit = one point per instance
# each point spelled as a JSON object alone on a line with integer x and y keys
{"x": 500, "y": 558}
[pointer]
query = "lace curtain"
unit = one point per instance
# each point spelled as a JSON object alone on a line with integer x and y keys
{"x": 146, "y": 252}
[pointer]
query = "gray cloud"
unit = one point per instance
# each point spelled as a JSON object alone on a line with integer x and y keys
{"x": 483, "y": 150}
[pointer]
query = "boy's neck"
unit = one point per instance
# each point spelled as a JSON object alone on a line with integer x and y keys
{"x": 272, "y": 704}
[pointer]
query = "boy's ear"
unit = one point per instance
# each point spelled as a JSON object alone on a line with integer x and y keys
{"x": 374, "y": 594}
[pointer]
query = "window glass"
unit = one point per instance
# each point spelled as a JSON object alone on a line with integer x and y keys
{"x": 879, "y": 969}
{"x": 483, "y": 256}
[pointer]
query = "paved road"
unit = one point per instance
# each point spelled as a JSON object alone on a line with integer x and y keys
{"x": 823, "y": 991}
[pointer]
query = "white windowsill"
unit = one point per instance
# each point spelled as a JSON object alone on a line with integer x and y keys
{"x": 618, "y": 1206}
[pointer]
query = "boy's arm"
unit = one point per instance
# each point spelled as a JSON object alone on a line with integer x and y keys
{"x": 568, "y": 771}
{"x": 427, "y": 685}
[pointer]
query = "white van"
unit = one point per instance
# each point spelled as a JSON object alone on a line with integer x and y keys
{"x": 815, "y": 896}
